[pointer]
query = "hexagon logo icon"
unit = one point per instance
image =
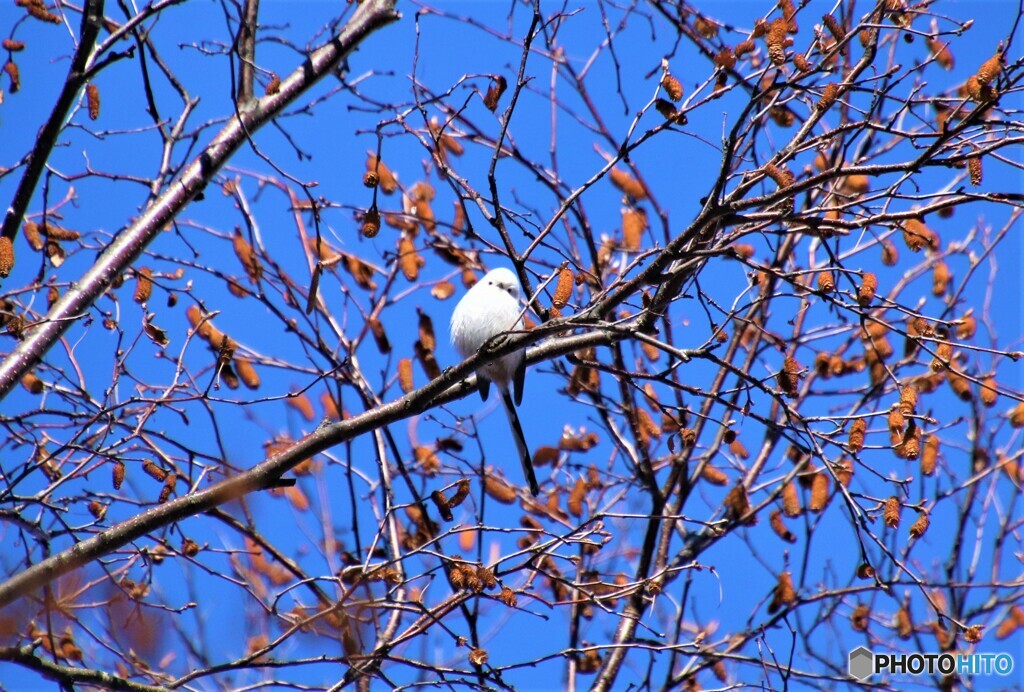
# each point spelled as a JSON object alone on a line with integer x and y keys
{"x": 861, "y": 663}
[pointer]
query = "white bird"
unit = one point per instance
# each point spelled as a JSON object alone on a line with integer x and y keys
{"x": 490, "y": 308}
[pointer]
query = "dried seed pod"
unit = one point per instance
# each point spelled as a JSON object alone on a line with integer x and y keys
{"x": 11, "y": 68}
{"x": 784, "y": 593}
{"x": 6, "y": 257}
{"x": 707, "y": 28}
{"x": 379, "y": 335}
{"x": 866, "y": 291}
{"x": 960, "y": 385}
{"x": 627, "y": 184}
{"x": 154, "y": 471}
{"x": 989, "y": 69}
{"x": 890, "y": 255}
{"x": 143, "y": 285}
{"x": 737, "y": 505}
{"x": 941, "y": 277}
{"x": 461, "y": 493}
{"x": 1017, "y": 416}
{"x": 494, "y": 92}
{"x": 904, "y": 627}
{"x": 409, "y": 259}
{"x": 672, "y": 87}
{"x": 247, "y": 256}
{"x": 908, "y": 401}
{"x": 826, "y": 281}
{"x": 370, "y": 226}
{"x": 930, "y": 455}
{"x": 667, "y": 110}
{"x": 32, "y": 383}
{"x": 563, "y": 290}
{"x": 38, "y": 10}
{"x": 857, "y": 430}
{"x": 789, "y": 377}
{"x": 776, "y": 40}
{"x": 575, "y": 502}
{"x": 301, "y": 403}
{"x": 966, "y": 327}
{"x": 834, "y": 28}
{"x": 782, "y": 177}
{"x": 12, "y": 45}
{"x": 247, "y": 373}
{"x": 891, "y": 514}
{"x": 855, "y": 184}
{"x": 92, "y": 96}
{"x": 918, "y": 528}
{"x": 442, "y": 504}
{"x": 780, "y": 528}
{"x": 426, "y": 331}
{"x": 974, "y": 170}
{"x": 917, "y": 236}
{"x": 940, "y": 51}
{"x": 427, "y": 361}
{"x": 443, "y": 290}
{"x": 828, "y": 97}
{"x": 169, "y": 483}
{"x": 820, "y": 485}
{"x": 634, "y": 223}
{"x": 386, "y": 179}
{"x": 790, "y": 500}
{"x": 33, "y": 235}
{"x": 498, "y": 489}
{"x": 943, "y": 356}
{"x": 989, "y": 392}
{"x": 713, "y": 475}
{"x": 405, "y": 375}
{"x": 860, "y": 618}
{"x": 118, "y": 474}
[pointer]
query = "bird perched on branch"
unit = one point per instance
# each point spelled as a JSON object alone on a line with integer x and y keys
{"x": 490, "y": 308}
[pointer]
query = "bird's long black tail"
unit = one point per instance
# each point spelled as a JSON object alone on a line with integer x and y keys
{"x": 517, "y": 433}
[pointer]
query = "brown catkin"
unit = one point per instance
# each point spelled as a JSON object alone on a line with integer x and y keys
{"x": 118, "y": 474}
{"x": 918, "y": 528}
{"x": 246, "y": 256}
{"x": 828, "y": 97}
{"x": 776, "y": 40}
{"x": 783, "y": 177}
{"x": 6, "y": 257}
{"x": 714, "y": 476}
{"x": 1017, "y": 416}
{"x": 930, "y": 456}
{"x": 143, "y": 285}
{"x": 989, "y": 69}
{"x": 672, "y": 86}
{"x": 370, "y": 226}
{"x": 405, "y": 375}
{"x": 11, "y": 68}
{"x": 989, "y": 393}
{"x": 789, "y": 377}
{"x": 790, "y": 500}
{"x": 575, "y": 502}
{"x": 92, "y": 97}
{"x": 940, "y": 51}
{"x": 32, "y": 383}
{"x": 966, "y": 327}
{"x": 498, "y": 489}
{"x": 12, "y": 45}
{"x": 834, "y": 28}
{"x": 819, "y": 491}
{"x": 634, "y": 223}
{"x": 941, "y": 276}
{"x": 494, "y": 92}
{"x": 974, "y": 169}
{"x": 409, "y": 259}
{"x": 801, "y": 63}
{"x": 385, "y": 178}
{"x": 779, "y": 527}
{"x": 743, "y": 48}
{"x": 627, "y": 183}
{"x": 247, "y": 373}
{"x": 891, "y": 514}
{"x": 908, "y": 401}
{"x": 784, "y": 594}
{"x": 826, "y": 281}
{"x": 890, "y": 255}
{"x": 857, "y": 430}
{"x": 563, "y": 289}
{"x": 868, "y": 288}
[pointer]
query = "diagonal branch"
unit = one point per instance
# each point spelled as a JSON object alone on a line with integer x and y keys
{"x": 130, "y": 243}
